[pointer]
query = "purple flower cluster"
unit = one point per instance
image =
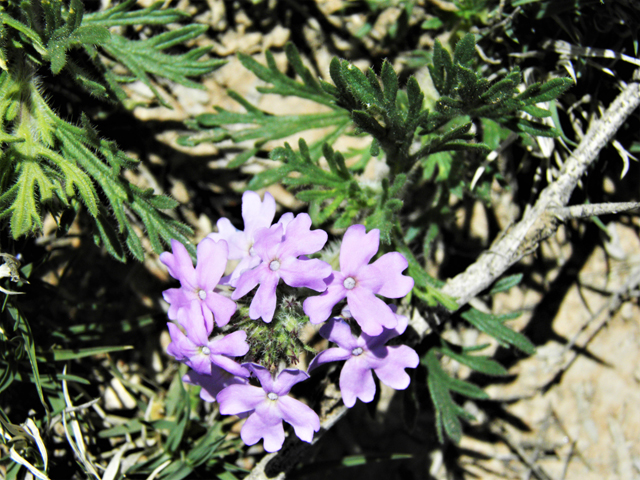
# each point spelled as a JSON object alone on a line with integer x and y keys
{"x": 266, "y": 254}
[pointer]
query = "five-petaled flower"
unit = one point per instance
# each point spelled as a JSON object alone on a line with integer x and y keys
{"x": 364, "y": 354}
{"x": 196, "y": 350}
{"x": 256, "y": 215}
{"x": 360, "y": 282}
{"x": 268, "y": 406}
{"x": 279, "y": 251}
{"x": 198, "y": 284}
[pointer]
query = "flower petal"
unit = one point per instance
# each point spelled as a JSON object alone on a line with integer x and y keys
{"x": 285, "y": 220}
{"x": 212, "y": 261}
{"x": 221, "y": 307}
{"x": 200, "y": 362}
{"x": 256, "y": 213}
{"x": 248, "y": 281}
{"x": 237, "y": 399}
{"x": 214, "y": 383}
{"x": 232, "y": 345}
{"x": 179, "y": 264}
{"x": 180, "y": 347}
{"x": 305, "y": 273}
{"x": 358, "y": 248}
{"x": 391, "y": 265}
{"x": 388, "y": 333}
{"x": 257, "y": 427}
{"x": 247, "y": 263}
{"x": 319, "y": 308}
{"x": 370, "y": 278}
{"x": 303, "y": 419}
{"x": 262, "y": 374}
{"x": 356, "y": 382}
{"x": 339, "y": 332}
{"x": 227, "y": 364}
{"x": 267, "y": 241}
{"x": 329, "y": 355}
{"x": 236, "y": 239}
{"x": 193, "y": 321}
{"x": 263, "y": 304}
{"x": 300, "y": 240}
{"x": 287, "y": 379}
{"x": 177, "y": 299}
{"x": 392, "y": 373}
{"x": 209, "y": 388}
{"x": 371, "y": 313}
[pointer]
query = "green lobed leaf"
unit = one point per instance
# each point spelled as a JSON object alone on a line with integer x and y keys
{"x": 479, "y": 363}
{"x": 506, "y": 283}
{"x": 493, "y": 326}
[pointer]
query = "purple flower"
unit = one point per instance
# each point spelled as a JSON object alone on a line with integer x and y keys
{"x": 268, "y": 406}
{"x": 279, "y": 252}
{"x": 364, "y": 354}
{"x": 214, "y": 383}
{"x": 360, "y": 282}
{"x": 256, "y": 214}
{"x": 196, "y": 350}
{"x": 198, "y": 284}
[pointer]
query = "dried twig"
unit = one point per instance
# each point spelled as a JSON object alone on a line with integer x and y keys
{"x": 540, "y": 221}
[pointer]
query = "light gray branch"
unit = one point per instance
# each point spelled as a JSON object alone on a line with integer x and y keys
{"x": 592, "y": 210}
{"x": 540, "y": 222}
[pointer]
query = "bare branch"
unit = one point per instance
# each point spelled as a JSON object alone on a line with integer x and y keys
{"x": 539, "y": 222}
{"x": 592, "y": 210}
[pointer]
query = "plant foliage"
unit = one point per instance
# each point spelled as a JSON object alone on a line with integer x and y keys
{"x": 50, "y": 165}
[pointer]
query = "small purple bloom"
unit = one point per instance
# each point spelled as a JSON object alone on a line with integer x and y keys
{"x": 214, "y": 383}
{"x": 196, "y": 350}
{"x": 268, "y": 406}
{"x": 256, "y": 214}
{"x": 279, "y": 252}
{"x": 360, "y": 282}
{"x": 198, "y": 284}
{"x": 364, "y": 354}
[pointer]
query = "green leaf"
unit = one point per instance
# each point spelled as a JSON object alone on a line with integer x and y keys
{"x": 121, "y": 15}
{"x": 478, "y": 363}
{"x": 30, "y": 348}
{"x": 25, "y": 213}
{"x": 145, "y": 57}
{"x": 492, "y": 325}
{"x": 465, "y": 50}
{"x": 281, "y": 84}
{"x": 60, "y": 354}
{"x": 441, "y": 70}
{"x": 506, "y": 283}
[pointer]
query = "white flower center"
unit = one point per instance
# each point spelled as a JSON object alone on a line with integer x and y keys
{"x": 202, "y": 294}
{"x": 274, "y": 265}
{"x": 206, "y": 350}
{"x": 272, "y": 396}
{"x": 357, "y": 351}
{"x": 252, "y": 251}
{"x": 349, "y": 283}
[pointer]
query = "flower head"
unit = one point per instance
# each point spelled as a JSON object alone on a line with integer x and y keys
{"x": 256, "y": 214}
{"x": 279, "y": 251}
{"x": 198, "y": 284}
{"x": 268, "y": 406}
{"x": 360, "y": 282}
{"x": 196, "y": 350}
{"x": 363, "y": 355}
